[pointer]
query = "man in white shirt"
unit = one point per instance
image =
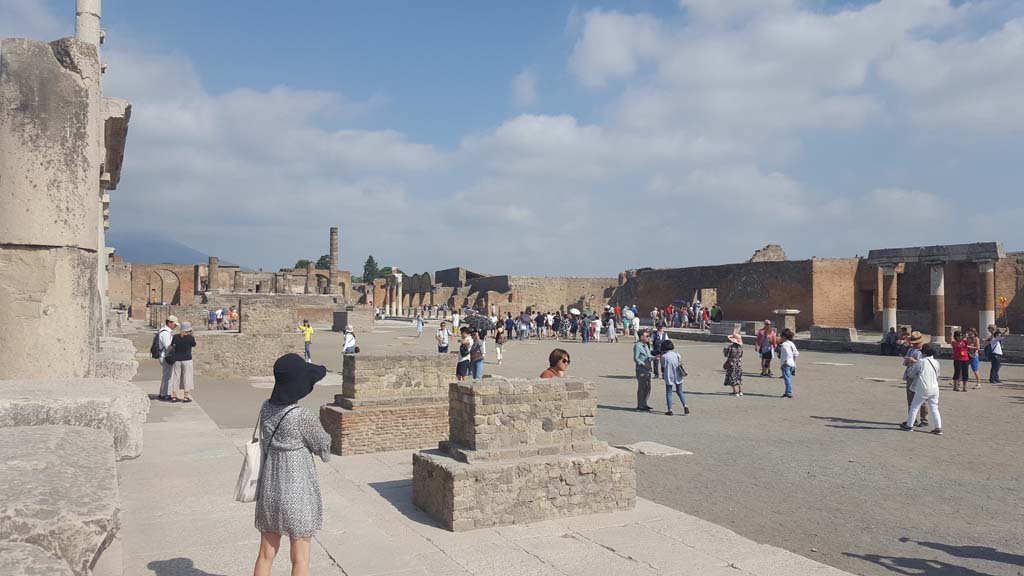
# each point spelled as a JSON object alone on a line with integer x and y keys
{"x": 442, "y": 336}
{"x": 455, "y": 319}
{"x": 164, "y": 337}
{"x": 787, "y": 356}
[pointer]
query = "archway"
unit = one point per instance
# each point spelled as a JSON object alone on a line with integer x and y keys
{"x": 164, "y": 286}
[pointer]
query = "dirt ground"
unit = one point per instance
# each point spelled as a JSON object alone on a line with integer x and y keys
{"x": 826, "y": 475}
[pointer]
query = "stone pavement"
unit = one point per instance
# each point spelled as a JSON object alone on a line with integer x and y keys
{"x": 180, "y": 520}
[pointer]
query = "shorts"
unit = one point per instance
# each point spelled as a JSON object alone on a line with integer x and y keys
{"x": 975, "y": 364}
{"x": 766, "y": 355}
{"x": 442, "y": 349}
{"x": 462, "y": 368}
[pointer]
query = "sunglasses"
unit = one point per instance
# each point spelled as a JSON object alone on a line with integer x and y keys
{"x": 566, "y": 360}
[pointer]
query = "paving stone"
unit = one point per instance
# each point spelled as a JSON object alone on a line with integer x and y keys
{"x": 501, "y": 559}
{"x": 573, "y": 555}
{"x": 20, "y": 559}
{"x": 654, "y": 449}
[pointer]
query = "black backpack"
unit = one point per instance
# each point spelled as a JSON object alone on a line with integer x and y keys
{"x": 154, "y": 348}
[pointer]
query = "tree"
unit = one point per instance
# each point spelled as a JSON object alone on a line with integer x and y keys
{"x": 324, "y": 262}
{"x": 370, "y": 269}
{"x": 301, "y": 264}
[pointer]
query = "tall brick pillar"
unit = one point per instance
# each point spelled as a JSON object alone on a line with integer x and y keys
{"x": 938, "y": 301}
{"x": 888, "y": 297}
{"x": 987, "y": 279}
{"x": 237, "y": 285}
{"x": 332, "y": 275}
{"x": 310, "y": 278}
{"x": 213, "y": 274}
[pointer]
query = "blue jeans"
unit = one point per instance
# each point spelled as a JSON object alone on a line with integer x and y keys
{"x": 679, "y": 392}
{"x": 787, "y": 377}
{"x": 586, "y": 335}
{"x": 308, "y": 357}
{"x": 478, "y": 369}
{"x": 997, "y": 363}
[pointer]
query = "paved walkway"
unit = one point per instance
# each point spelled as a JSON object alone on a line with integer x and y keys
{"x": 180, "y": 520}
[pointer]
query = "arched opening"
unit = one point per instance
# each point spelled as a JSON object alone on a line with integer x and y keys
{"x": 164, "y": 287}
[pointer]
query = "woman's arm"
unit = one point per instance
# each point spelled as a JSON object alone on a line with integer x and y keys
{"x": 316, "y": 439}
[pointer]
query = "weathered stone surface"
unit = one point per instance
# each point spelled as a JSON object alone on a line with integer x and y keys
{"x": 116, "y": 359}
{"x": 231, "y": 355}
{"x": 20, "y": 559}
{"x": 770, "y": 253}
{"x": 833, "y": 334}
{"x": 119, "y": 408}
{"x": 59, "y": 491}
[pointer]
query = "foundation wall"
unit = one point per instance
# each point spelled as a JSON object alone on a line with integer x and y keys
{"x": 232, "y": 355}
{"x": 370, "y": 429}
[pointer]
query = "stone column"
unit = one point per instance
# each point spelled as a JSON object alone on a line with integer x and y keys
{"x": 938, "y": 301}
{"x": 398, "y": 295}
{"x": 197, "y": 283}
{"x": 888, "y": 297}
{"x": 987, "y": 288}
{"x": 310, "y": 278}
{"x": 87, "y": 21}
{"x": 332, "y": 274}
{"x": 389, "y": 299}
{"x": 238, "y": 284}
{"x": 213, "y": 274}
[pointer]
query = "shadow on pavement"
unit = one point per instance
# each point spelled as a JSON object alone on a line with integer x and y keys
{"x": 977, "y": 552}
{"x": 177, "y": 567}
{"x": 838, "y": 420}
{"x": 916, "y": 566}
{"x": 399, "y": 494}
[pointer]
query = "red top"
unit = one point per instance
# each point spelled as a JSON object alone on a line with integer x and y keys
{"x": 960, "y": 350}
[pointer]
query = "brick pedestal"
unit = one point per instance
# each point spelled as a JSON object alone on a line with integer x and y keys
{"x": 521, "y": 451}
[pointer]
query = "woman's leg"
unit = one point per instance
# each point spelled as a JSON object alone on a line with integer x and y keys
{"x": 933, "y": 405}
{"x": 679, "y": 392}
{"x": 300, "y": 556}
{"x": 270, "y": 543}
{"x": 915, "y": 405}
{"x": 668, "y": 397}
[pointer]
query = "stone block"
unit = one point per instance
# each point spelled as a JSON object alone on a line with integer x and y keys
{"x": 834, "y": 334}
{"x": 726, "y": 328}
{"x": 232, "y": 355}
{"x": 116, "y": 359}
{"x": 118, "y": 408}
{"x": 20, "y": 559}
{"x": 384, "y": 376}
{"x": 363, "y": 429}
{"x": 59, "y": 492}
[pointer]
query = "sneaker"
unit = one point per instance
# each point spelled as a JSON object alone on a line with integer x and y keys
{"x": 741, "y": 394}
{"x": 903, "y": 426}
{"x": 924, "y": 422}
{"x": 686, "y": 410}
{"x": 669, "y": 413}
{"x": 937, "y": 431}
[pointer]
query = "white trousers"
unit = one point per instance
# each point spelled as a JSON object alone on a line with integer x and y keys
{"x": 933, "y": 409}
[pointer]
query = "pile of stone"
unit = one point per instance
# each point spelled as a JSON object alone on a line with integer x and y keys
{"x": 521, "y": 451}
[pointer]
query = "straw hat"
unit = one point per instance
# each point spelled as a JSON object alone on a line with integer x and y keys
{"x": 349, "y": 328}
{"x": 916, "y": 338}
{"x": 173, "y": 319}
{"x": 736, "y": 338}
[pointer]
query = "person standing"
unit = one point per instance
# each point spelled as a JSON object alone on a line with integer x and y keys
{"x": 595, "y": 326}
{"x": 349, "y": 347}
{"x": 212, "y": 320}
{"x": 915, "y": 340}
{"x": 767, "y": 340}
{"x": 288, "y": 500}
{"x": 500, "y": 336}
{"x": 974, "y": 351}
{"x": 734, "y": 364}
{"x": 419, "y": 325}
{"x": 456, "y": 319}
{"x": 995, "y": 353}
{"x": 219, "y": 316}
{"x": 558, "y": 363}
{"x": 643, "y": 359}
{"x": 510, "y": 325}
{"x": 924, "y": 374}
{"x": 673, "y": 373}
{"x": 465, "y": 342}
{"x": 307, "y": 334}
{"x": 961, "y": 361}
{"x": 164, "y": 337}
{"x": 476, "y": 355}
{"x": 656, "y": 341}
{"x": 612, "y": 335}
{"x": 787, "y": 357}
{"x": 585, "y": 329}
{"x": 182, "y": 374}
{"x": 442, "y": 336}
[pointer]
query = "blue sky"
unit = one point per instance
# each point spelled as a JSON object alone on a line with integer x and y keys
{"x": 563, "y": 138}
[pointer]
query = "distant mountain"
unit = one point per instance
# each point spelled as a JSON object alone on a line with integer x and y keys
{"x": 145, "y": 247}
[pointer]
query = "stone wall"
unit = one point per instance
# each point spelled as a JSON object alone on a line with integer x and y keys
{"x": 233, "y": 355}
{"x": 119, "y": 284}
{"x": 541, "y": 293}
{"x": 150, "y": 284}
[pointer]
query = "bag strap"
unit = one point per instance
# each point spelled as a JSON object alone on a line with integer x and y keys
{"x": 274, "y": 433}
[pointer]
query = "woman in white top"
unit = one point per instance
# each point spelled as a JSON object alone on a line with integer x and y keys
{"x": 596, "y": 323}
{"x": 925, "y": 385}
{"x": 612, "y": 336}
{"x": 349, "y": 347}
{"x": 787, "y": 355}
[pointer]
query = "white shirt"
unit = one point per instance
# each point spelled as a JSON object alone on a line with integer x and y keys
{"x": 443, "y": 335}
{"x": 455, "y": 321}
{"x": 997, "y": 345}
{"x": 788, "y": 353}
{"x": 926, "y": 377}
{"x": 165, "y": 335}
{"x": 350, "y": 340}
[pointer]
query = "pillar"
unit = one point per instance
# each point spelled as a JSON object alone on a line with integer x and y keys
{"x": 213, "y": 274}
{"x": 987, "y": 289}
{"x": 238, "y": 285}
{"x": 87, "y": 21}
{"x": 938, "y": 301}
{"x": 310, "y": 278}
{"x": 398, "y": 295}
{"x": 392, "y": 308}
{"x": 888, "y": 297}
{"x": 197, "y": 283}
{"x": 332, "y": 274}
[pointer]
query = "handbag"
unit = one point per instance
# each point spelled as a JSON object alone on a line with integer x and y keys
{"x": 252, "y": 463}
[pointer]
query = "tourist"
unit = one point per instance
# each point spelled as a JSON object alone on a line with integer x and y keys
{"x": 787, "y": 357}
{"x": 767, "y": 340}
{"x": 995, "y": 353}
{"x": 500, "y": 337}
{"x": 733, "y": 365}
{"x": 465, "y": 342}
{"x": 673, "y": 372}
{"x": 524, "y": 325}
{"x": 212, "y": 320}
{"x": 442, "y": 335}
{"x": 924, "y": 375}
{"x": 705, "y": 319}
{"x": 974, "y": 350}
{"x": 595, "y": 327}
{"x": 419, "y": 325}
{"x": 684, "y": 318}
{"x": 654, "y": 316}
{"x": 612, "y": 335}
{"x": 288, "y": 498}
{"x": 585, "y": 329}
{"x": 659, "y": 337}
{"x": 456, "y": 320}
{"x": 890, "y": 342}
{"x": 643, "y": 359}
{"x": 307, "y": 334}
{"x": 626, "y": 325}
{"x": 182, "y": 375}
{"x": 574, "y": 326}
{"x": 549, "y": 323}
{"x": 541, "y": 330}
{"x": 558, "y": 363}
{"x": 510, "y": 325}
{"x": 904, "y": 342}
{"x": 914, "y": 340}
{"x": 961, "y": 361}
{"x": 349, "y": 347}
{"x": 477, "y": 352}
{"x": 164, "y": 338}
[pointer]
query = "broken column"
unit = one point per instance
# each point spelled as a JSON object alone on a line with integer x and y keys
{"x": 332, "y": 274}
{"x": 521, "y": 451}
{"x": 213, "y": 274}
{"x": 399, "y": 310}
{"x": 987, "y": 289}
{"x": 888, "y": 297}
{"x": 310, "y": 278}
{"x": 938, "y": 302}
{"x": 389, "y": 403}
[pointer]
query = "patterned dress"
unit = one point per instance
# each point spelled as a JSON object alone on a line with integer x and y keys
{"x": 288, "y": 497}
{"x": 734, "y": 374}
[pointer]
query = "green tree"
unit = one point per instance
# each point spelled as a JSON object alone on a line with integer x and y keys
{"x": 370, "y": 269}
{"x": 301, "y": 264}
{"x": 388, "y": 271}
{"x": 324, "y": 262}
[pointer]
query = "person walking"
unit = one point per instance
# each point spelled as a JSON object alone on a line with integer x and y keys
{"x": 419, "y": 325}
{"x": 656, "y": 340}
{"x": 307, "y": 334}
{"x": 442, "y": 336}
{"x": 995, "y": 353}
{"x": 733, "y": 365}
{"x": 288, "y": 501}
{"x": 558, "y": 363}
{"x": 164, "y": 338}
{"x": 349, "y": 347}
{"x": 673, "y": 373}
{"x": 612, "y": 335}
{"x": 961, "y": 361}
{"x": 643, "y": 359}
{"x": 924, "y": 374}
{"x": 915, "y": 340}
{"x": 500, "y": 337}
{"x": 974, "y": 350}
{"x": 182, "y": 372}
{"x": 787, "y": 357}
{"x": 767, "y": 340}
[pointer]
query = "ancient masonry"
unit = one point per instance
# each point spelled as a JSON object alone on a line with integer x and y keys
{"x": 521, "y": 451}
{"x": 389, "y": 403}
{"x": 66, "y": 408}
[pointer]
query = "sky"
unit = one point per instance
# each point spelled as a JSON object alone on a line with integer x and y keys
{"x": 550, "y": 137}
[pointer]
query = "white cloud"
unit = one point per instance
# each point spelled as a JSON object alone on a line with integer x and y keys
{"x": 31, "y": 19}
{"x": 524, "y": 88}
{"x": 613, "y": 44}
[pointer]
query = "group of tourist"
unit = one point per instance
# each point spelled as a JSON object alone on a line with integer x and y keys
{"x": 683, "y": 314}
{"x": 221, "y": 319}
{"x": 174, "y": 351}
{"x": 968, "y": 351}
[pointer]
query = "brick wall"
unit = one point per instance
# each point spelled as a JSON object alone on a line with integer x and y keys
{"x": 232, "y": 355}
{"x": 834, "y": 296}
{"x": 395, "y": 376}
{"x": 556, "y": 293}
{"x": 119, "y": 284}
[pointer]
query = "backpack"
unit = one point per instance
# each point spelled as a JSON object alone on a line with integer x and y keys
{"x": 154, "y": 348}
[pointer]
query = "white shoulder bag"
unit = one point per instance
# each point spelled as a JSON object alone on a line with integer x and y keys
{"x": 249, "y": 476}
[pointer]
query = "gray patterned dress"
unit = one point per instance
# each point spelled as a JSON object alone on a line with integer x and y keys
{"x": 288, "y": 497}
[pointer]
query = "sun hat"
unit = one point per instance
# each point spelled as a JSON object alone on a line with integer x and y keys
{"x": 916, "y": 338}
{"x": 186, "y": 326}
{"x": 735, "y": 338}
{"x": 173, "y": 319}
{"x": 349, "y": 328}
{"x": 294, "y": 379}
